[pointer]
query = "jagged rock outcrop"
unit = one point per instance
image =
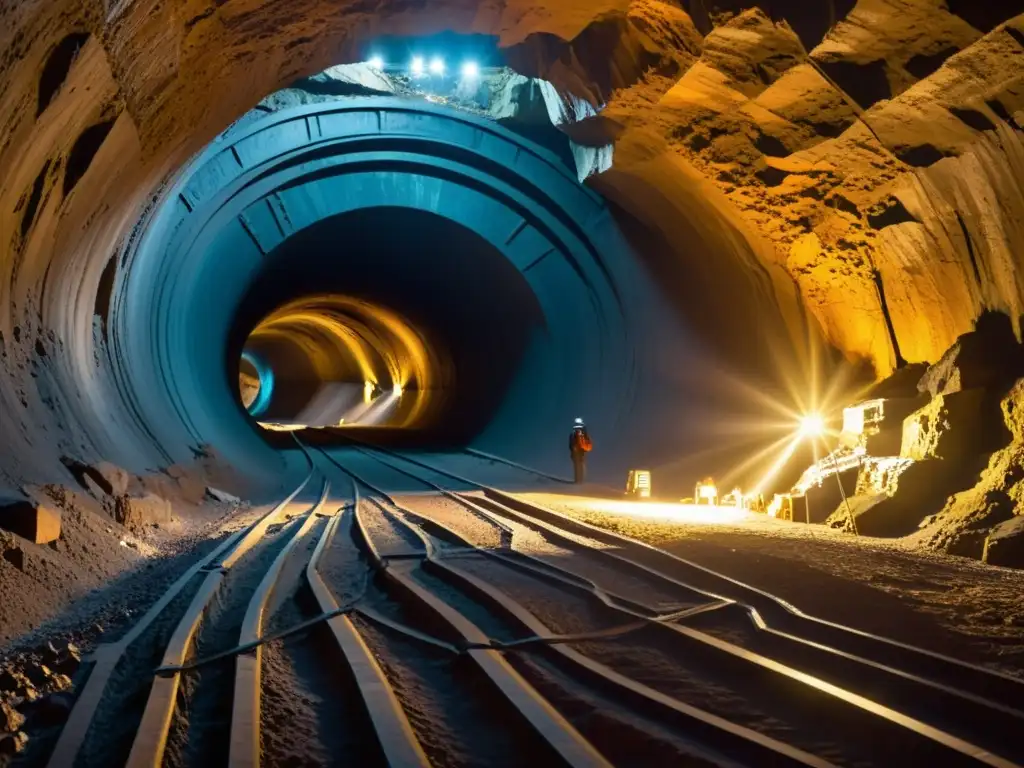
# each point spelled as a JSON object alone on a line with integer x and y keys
{"x": 969, "y": 517}
{"x": 871, "y": 163}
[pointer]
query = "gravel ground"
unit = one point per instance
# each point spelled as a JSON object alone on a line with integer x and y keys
{"x": 342, "y": 566}
{"x": 452, "y": 515}
{"x": 389, "y": 537}
{"x": 308, "y": 711}
{"x": 616, "y": 731}
{"x": 707, "y": 680}
{"x": 458, "y": 719}
{"x": 947, "y": 604}
{"x": 454, "y": 713}
{"x": 109, "y": 740}
{"x": 89, "y": 578}
{"x": 202, "y": 721}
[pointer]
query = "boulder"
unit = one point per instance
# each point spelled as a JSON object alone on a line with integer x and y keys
{"x": 1013, "y": 413}
{"x": 39, "y": 523}
{"x": 954, "y": 426}
{"x": 1004, "y": 544}
{"x": 222, "y": 496}
{"x": 137, "y": 512}
{"x": 101, "y": 479}
{"x": 111, "y": 478}
{"x": 987, "y": 357}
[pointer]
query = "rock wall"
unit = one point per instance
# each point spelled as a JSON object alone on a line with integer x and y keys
{"x": 883, "y": 165}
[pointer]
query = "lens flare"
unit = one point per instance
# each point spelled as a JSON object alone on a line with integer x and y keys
{"x": 812, "y": 425}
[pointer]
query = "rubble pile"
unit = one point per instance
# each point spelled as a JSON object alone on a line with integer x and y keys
{"x": 35, "y": 693}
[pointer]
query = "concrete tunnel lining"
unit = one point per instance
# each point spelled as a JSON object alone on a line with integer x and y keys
{"x": 536, "y": 207}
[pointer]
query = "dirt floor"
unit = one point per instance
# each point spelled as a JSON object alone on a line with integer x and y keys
{"x": 87, "y": 580}
{"x": 948, "y": 604}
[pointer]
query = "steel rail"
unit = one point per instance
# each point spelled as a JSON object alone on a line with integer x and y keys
{"x": 106, "y": 657}
{"x": 394, "y": 734}
{"x": 1000, "y": 691}
{"x": 924, "y": 729}
{"x": 728, "y": 737}
{"x": 566, "y": 742}
{"x": 151, "y": 736}
{"x": 244, "y": 749}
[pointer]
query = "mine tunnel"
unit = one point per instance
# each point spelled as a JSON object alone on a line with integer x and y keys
{"x": 380, "y": 251}
{"x": 701, "y": 315}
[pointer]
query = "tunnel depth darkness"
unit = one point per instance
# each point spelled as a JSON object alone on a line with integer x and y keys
{"x": 469, "y": 310}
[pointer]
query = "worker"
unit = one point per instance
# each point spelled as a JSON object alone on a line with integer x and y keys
{"x": 579, "y": 447}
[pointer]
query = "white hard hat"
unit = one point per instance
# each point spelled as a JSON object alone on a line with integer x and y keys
{"x": 579, "y": 421}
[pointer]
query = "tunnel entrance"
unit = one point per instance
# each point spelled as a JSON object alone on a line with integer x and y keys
{"x": 388, "y": 319}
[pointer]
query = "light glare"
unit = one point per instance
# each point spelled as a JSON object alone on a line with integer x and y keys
{"x": 437, "y": 65}
{"x": 470, "y": 70}
{"x": 417, "y": 65}
{"x": 812, "y": 425}
{"x": 376, "y": 62}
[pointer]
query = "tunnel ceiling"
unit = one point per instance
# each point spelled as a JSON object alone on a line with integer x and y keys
{"x": 857, "y": 163}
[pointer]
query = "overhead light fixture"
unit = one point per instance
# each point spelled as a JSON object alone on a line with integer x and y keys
{"x": 417, "y": 65}
{"x": 471, "y": 70}
{"x": 437, "y": 65}
{"x": 376, "y": 62}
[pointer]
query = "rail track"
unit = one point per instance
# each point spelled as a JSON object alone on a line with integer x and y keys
{"x": 890, "y": 697}
{"x": 457, "y": 625}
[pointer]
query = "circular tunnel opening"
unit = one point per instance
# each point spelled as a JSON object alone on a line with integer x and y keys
{"x": 339, "y": 361}
{"x": 393, "y": 324}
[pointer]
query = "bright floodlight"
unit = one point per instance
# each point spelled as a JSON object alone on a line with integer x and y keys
{"x": 470, "y": 70}
{"x": 812, "y": 425}
{"x": 437, "y": 65}
{"x": 376, "y": 62}
{"x": 417, "y": 65}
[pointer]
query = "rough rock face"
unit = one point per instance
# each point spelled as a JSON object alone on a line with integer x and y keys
{"x": 136, "y": 513}
{"x": 954, "y": 427}
{"x": 969, "y": 517}
{"x": 988, "y": 357}
{"x": 882, "y": 166}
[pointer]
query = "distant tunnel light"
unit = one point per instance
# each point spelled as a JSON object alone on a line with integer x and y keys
{"x": 417, "y": 65}
{"x": 470, "y": 70}
{"x": 376, "y": 62}
{"x": 437, "y": 66}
